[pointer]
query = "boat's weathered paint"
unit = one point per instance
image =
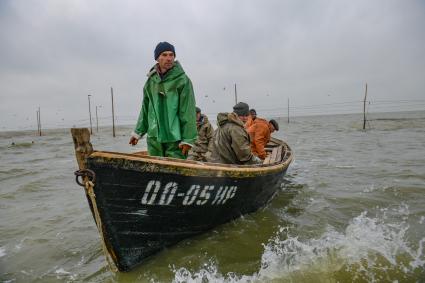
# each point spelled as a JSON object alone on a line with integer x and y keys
{"x": 144, "y": 203}
{"x": 143, "y": 212}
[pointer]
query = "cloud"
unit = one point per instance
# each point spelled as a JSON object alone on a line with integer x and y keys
{"x": 55, "y": 53}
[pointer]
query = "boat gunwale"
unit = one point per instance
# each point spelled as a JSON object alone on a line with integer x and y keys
{"x": 287, "y": 158}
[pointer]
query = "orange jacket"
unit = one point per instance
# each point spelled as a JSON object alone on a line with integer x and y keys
{"x": 249, "y": 122}
{"x": 259, "y": 133}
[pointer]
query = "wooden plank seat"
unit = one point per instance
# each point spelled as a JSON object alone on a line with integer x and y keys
{"x": 274, "y": 156}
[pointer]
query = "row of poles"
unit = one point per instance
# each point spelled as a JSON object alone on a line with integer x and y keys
{"x": 38, "y": 114}
{"x": 97, "y": 120}
{"x": 236, "y": 101}
{"x": 364, "y": 106}
{"x": 113, "y": 113}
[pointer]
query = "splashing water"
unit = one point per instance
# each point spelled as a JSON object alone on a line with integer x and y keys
{"x": 2, "y": 252}
{"x": 369, "y": 250}
{"x": 209, "y": 274}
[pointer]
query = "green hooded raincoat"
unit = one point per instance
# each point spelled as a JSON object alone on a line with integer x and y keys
{"x": 168, "y": 110}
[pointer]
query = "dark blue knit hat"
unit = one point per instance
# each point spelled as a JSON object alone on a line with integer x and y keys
{"x": 162, "y": 47}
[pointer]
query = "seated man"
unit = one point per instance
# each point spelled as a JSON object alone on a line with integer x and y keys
{"x": 260, "y": 132}
{"x": 231, "y": 143}
{"x": 202, "y": 146}
{"x": 251, "y": 118}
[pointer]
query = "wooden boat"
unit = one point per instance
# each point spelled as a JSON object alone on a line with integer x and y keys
{"x": 142, "y": 204}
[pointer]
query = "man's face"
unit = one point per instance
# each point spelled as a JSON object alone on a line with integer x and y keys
{"x": 244, "y": 118}
{"x": 165, "y": 61}
{"x": 198, "y": 116}
{"x": 272, "y": 128}
{"x": 253, "y": 114}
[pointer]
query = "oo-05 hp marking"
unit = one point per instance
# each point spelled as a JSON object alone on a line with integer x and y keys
{"x": 156, "y": 194}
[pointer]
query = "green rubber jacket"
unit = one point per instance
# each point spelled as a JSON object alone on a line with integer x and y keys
{"x": 168, "y": 109}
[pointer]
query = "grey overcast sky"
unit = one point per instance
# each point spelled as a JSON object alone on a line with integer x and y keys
{"x": 319, "y": 54}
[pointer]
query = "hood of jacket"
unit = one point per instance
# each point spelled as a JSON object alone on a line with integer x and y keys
{"x": 174, "y": 72}
{"x": 224, "y": 118}
{"x": 168, "y": 107}
{"x": 202, "y": 121}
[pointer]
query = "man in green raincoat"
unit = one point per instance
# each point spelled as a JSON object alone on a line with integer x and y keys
{"x": 168, "y": 114}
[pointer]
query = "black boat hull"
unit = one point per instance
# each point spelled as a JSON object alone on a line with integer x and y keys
{"x": 145, "y": 207}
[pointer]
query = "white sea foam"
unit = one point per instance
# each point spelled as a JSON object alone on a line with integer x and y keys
{"x": 209, "y": 274}
{"x": 62, "y": 274}
{"x": 61, "y": 271}
{"x": 81, "y": 262}
{"x": 365, "y": 240}
{"x": 345, "y": 166}
{"x": 18, "y": 246}
{"x": 367, "y": 249}
{"x": 369, "y": 189}
{"x": 2, "y": 252}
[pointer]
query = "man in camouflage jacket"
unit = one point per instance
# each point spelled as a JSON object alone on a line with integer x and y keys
{"x": 203, "y": 145}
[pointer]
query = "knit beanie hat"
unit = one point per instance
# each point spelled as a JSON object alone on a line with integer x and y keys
{"x": 198, "y": 110}
{"x": 241, "y": 109}
{"x": 275, "y": 124}
{"x": 162, "y": 47}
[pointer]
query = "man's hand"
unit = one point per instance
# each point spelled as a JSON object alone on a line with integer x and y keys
{"x": 133, "y": 140}
{"x": 184, "y": 148}
{"x": 257, "y": 160}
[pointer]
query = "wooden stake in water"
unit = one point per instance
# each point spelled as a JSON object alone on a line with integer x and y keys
{"x": 39, "y": 121}
{"x": 288, "y": 110}
{"x": 364, "y": 109}
{"x": 236, "y": 96}
{"x": 91, "y": 128}
{"x": 38, "y": 124}
{"x": 113, "y": 114}
{"x": 97, "y": 122}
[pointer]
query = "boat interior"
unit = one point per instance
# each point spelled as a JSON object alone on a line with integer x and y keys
{"x": 277, "y": 152}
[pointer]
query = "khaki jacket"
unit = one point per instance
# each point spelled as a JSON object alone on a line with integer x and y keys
{"x": 231, "y": 142}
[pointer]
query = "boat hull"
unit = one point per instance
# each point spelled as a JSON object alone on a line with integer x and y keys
{"x": 145, "y": 206}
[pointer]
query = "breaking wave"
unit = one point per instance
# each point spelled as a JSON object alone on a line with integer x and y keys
{"x": 2, "y": 252}
{"x": 369, "y": 249}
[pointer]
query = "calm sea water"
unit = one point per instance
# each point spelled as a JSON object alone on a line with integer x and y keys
{"x": 352, "y": 210}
